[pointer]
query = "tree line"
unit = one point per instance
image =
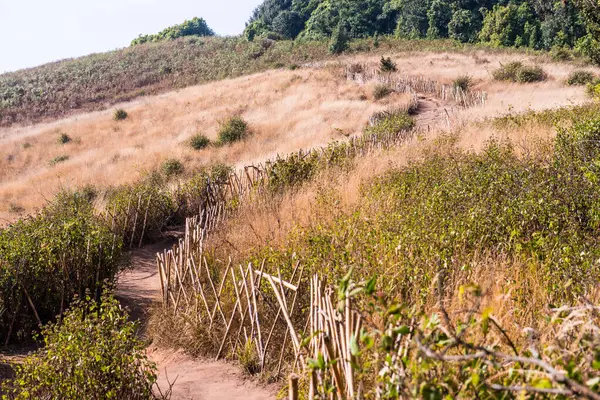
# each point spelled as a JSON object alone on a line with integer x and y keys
{"x": 536, "y": 24}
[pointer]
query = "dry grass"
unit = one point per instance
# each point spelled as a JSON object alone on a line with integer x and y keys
{"x": 286, "y": 110}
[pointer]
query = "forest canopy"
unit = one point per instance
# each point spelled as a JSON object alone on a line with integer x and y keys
{"x": 537, "y": 24}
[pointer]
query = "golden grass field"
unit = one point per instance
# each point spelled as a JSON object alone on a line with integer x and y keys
{"x": 286, "y": 110}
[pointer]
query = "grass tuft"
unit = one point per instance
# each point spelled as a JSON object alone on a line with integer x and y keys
{"x": 120, "y": 115}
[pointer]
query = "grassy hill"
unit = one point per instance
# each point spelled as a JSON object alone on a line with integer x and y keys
{"x": 98, "y": 81}
{"x": 465, "y": 238}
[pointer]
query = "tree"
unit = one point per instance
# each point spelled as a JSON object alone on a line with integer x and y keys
{"x": 464, "y": 26}
{"x": 255, "y": 28}
{"x": 438, "y": 16}
{"x": 590, "y": 44}
{"x": 510, "y": 25}
{"x": 322, "y": 22}
{"x": 339, "y": 40}
{"x": 412, "y": 17}
{"x": 289, "y": 24}
{"x": 269, "y": 10}
{"x": 563, "y": 26}
{"x": 194, "y": 27}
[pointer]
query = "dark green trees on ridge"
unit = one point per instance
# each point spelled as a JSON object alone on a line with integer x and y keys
{"x": 537, "y": 24}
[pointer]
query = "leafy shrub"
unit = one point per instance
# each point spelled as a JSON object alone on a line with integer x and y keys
{"x": 220, "y": 172}
{"x": 120, "y": 115}
{"x": 460, "y": 355}
{"x": 454, "y": 205}
{"x": 518, "y": 72}
{"x": 149, "y": 199}
{"x": 93, "y": 353}
{"x": 390, "y": 123}
{"x": 559, "y": 53}
{"x": 232, "y": 130}
{"x": 64, "y": 138}
{"x": 48, "y": 259}
{"x": 531, "y": 74}
{"x": 249, "y": 359}
{"x": 387, "y": 65}
{"x": 172, "y": 167}
{"x": 593, "y": 88}
{"x": 508, "y": 72}
{"x": 580, "y": 77}
{"x": 58, "y": 160}
{"x": 463, "y": 82}
{"x": 381, "y": 91}
{"x": 199, "y": 141}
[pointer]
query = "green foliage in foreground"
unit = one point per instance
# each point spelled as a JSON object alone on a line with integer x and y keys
{"x": 48, "y": 259}
{"x": 92, "y": 354}
{"x": 442, "y": 213}
{"x": 195, "y": 27}
{"x": 403, "y": 353}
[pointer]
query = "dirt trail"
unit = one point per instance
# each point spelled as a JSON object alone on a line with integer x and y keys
{"x": 195, "y": 379}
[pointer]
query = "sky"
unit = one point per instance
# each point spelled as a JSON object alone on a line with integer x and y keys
{"x": 34, "y": 32}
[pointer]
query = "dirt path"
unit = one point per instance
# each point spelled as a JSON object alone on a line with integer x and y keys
{"x": 194, "y": 379}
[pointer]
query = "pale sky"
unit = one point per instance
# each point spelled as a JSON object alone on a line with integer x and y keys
{"x": 34, "y": 32}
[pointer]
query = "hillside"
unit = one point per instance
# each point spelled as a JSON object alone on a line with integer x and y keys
{"x": 286, "y": 110}
{"x": 378, "y": 218}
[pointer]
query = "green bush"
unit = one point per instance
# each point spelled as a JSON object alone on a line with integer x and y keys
{"x": 559, "y": 53}
{"x": 232, "y": 130}
{"x": 593, "y": 88}
{"x": 518, "y": 72}
{"x": 531, "y": 74}
{"x": 220, "y": 172}
{"x": 440, "y": 214}
{"x": 580, "y": 77}
{"x": 93, "y": 353}
{"x": 172, "y": 167}
{"x": 508, "y": 72}
{"x": 149, "y": 199}
{"x": 120, "y": 115}
{"x": 390, "y": 123}
{"x": 64, "y": 138}
{"x": 199, "y": 141}
{"x": 387, "y": 65}
{"x": 48, "y": 259}
{"x": 463, "y": 82}
{"x": 381, "y": 91}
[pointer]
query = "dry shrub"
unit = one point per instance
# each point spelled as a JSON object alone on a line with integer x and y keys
{"x": 381, "y": 91}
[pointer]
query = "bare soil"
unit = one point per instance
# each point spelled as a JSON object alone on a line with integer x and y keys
{"x": 194, "y": 379}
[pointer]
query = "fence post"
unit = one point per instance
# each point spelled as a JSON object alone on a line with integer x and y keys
{"x": 293, "y": 386}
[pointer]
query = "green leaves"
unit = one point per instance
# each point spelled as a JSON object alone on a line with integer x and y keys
{"x": 93, "y": 353}
{"x": 65, "y": 250}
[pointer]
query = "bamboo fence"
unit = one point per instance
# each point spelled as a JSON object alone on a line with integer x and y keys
{"x": 365, "y": 73}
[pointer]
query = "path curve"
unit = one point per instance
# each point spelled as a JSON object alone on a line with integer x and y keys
{"x": 195, "y": 379}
